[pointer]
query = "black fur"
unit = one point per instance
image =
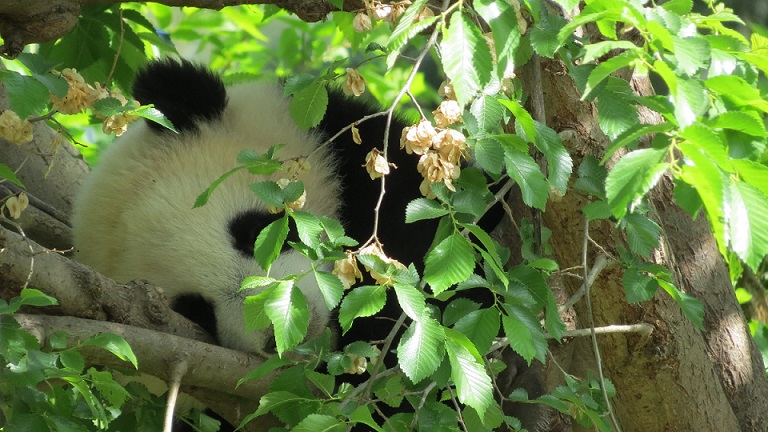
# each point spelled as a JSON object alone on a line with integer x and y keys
{"x": 184, "y": 92}
{"x": 245, "y": 227}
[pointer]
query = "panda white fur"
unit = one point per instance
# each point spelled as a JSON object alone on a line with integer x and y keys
{"x": 134, "y": 217}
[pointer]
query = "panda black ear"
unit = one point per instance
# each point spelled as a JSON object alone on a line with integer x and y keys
{"x": 186, "y": 93}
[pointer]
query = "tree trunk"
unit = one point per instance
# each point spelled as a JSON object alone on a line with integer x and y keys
{"x": 680, "y": 379}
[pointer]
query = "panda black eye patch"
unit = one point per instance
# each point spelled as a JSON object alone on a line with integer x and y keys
{"x": 246, "y": 226}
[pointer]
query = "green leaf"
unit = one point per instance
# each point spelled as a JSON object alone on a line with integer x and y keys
{"x": 709, "y": 182}
{"x": 616, "y": 109}
{"x": 691, "y": 53}
{"x": 592, "y": 177}
{"x": 72, "y": 360}
{"x": 7, "y": 173}
{"x": 594, "y": 51}
{"x": 488, "y": 112}
{"x": 481, "y": 327}
{"x": 525, "y": 171}
{"x": 202, "y": 199}
{"x": 421, "y": 349}
{"x": 287, "y": 308}
{"x": 269, "y": 242}
{"x": 255, "y": 312}
{"x": 319, "y": 423}
{"x": 114, "y": 344}
{"x": 523, "y": 119}
{"x": 309, "y": 228}
{"x": 642, "y": 234}
{"x": 473, "y": 384}
{"x": 149, "y": 112}
{"x": 632, "y": 134}
{"x": 330, "y": 286}
{"x": 362, "y": 301}
{"x": 524, "y": 333}
{"x": 632, "y": 177}
{"x": 34, "y": 297}
{"x": 272, "y": 363}
{"x": 26, "y": 95}
{"x": 502, "y": 19}
{"x": 606, "y": 68}
{"x": 422, "y": 208}
{"x": 489, "y": 155}
{"x": 691, "y": 101}
{"x": 680, "y": 7}
{"x": 308, "y": 105}
{"x": 559, "y": 162}
{"x": 466, "y": 57}
{"x": 753, "y": 173}
{"x": 411, "y": 300}
{"x": 747, "y": 223}
{"x": 405, "y": 30}
{"x": 450, "y": 262}
{"x": 269, "y": 192}
{"x": 692, "y": 308}
{"x": 638, "y": 286}
{"x": 748, "y": 122}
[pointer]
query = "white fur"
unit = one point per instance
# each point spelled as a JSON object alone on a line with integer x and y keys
{"x": 134, "y": 216}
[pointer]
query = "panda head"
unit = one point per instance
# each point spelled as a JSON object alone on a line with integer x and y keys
{"x": 134, "y": 217}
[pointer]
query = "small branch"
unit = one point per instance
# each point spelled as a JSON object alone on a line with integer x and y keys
{"x": 590, "y": 319}
{"x": 601, "y": 262}
{"x": 212, "y": 371}
{"x": 178, "y": 370}
{"x": 644, "y": 329}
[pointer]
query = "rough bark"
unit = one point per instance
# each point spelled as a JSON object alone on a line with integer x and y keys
{"x": 680, "y": 379}
{"x": 23, "y": 22}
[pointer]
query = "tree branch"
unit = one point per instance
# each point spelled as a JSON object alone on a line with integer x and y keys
{"x": 32, "y": 21}
{"x": 212, "y": 371}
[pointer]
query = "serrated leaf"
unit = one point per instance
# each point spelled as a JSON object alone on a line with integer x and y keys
{"x": 638, "y": 286}
{"x": 405, "y": 30}
{"x": 594, "y": 51}
{"x": 149, "y": 112}
{"x": 287, "y": 308}
{"x": 7, "y": 173}
{"x": 473, "y": 385}
{"x": 308, "y": 227}
{"x": 502, "y": 18}
{"x": 747, "y": 223}
{"x": 692, "y": 308}
{"x": 632, "y": 177}
{"x": 269, "y": 242}
{"x": 481, "y": 327}
{"x": 270, "y": 364}
{"x": 616, "y": 112}
{"x": 319, "y": 423}
{"x": 466, "y": 57}
{"x": 748, "y": 122}
{"x": 392, "y": 391}
{"x": 632, "y": 134}
{"x": 254, "y": 311}
{"x": 489, "y": 155}
{"x": 72, "y": 360}
{"x": 26, "y": 95}
{"x": 331, "y": 288}
{"x": 691, "y": 101}
{"x": 642, "y": 234}
{"x": 362, "y": 301}
{"x": 308, "y": 105}
{"x": 488, "y": 112}
{"x": 114, "y": 344}
{"x": 422, "y": 208}
{"x": 450, "y": 262}
{"x": 524, "y": 333}
{"x": 606, "y": 68}
{"x": 203, "y": 198}
{"x": 692, "y": 53}
{"x": 523, "y": 119}
{"x": 525, "y": 171}
{"x": 269, "y": 192}
{"x": 411, "y": 300}
{"x": 559, "y": 162}
{"x": 421, "y": 349}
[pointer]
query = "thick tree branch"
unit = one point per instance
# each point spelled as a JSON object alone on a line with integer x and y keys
{"x": 83, "y": 293}
{"x": 23, "y": 22}
{"x": 211, "y": 371}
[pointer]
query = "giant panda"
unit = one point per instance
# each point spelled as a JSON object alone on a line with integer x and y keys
{"x": 133, "y": 218}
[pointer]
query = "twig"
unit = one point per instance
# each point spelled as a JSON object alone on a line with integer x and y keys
{"x": 590, "y": 320}
{"x": 601, "y": 262}
{"x": 422, "y": 401}
{"x": 178, "y": 370}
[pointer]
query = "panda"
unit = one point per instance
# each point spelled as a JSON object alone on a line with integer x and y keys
{"x": 133, "y": 218}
